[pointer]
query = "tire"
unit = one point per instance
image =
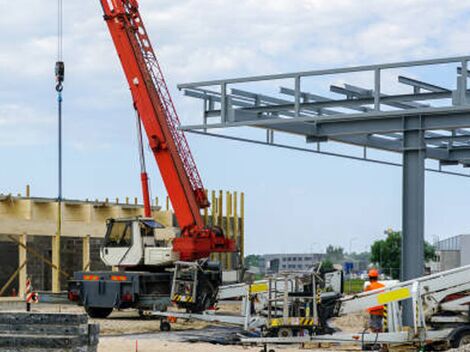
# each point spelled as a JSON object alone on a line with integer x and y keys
{"x": 461, "y": 339}
{"x": 165, "y": 326}
{"x": 97, "y": 312}
{"x": 285, "y": 332}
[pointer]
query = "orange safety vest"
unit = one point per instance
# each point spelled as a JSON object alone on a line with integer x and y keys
{"x": 377, "y": 310}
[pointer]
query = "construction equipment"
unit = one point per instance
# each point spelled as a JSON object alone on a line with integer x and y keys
{"x": 284, "y": 302}
{"x": 442, "y": 319}
{"x": 130, "y": 244}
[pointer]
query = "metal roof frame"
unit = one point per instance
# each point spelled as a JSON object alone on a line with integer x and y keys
{"x": 363, "y": 117}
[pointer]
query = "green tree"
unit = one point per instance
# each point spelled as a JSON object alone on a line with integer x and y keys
{"x": 387, "y": 253}
{"x": 252, "y": 260}
{"x": 334, "y": 254}
{"x": 326, "y": 265}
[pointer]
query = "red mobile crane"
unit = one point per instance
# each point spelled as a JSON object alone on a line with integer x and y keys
{"x": 154, "y": 106}
{"x": 143, "y": 281}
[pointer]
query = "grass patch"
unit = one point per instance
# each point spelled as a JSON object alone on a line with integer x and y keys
{"x": 353, "y": 286}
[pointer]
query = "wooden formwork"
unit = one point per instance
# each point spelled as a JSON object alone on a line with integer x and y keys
{"x": 25, "y": 216}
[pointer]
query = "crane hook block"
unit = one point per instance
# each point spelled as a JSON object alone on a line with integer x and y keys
{"x": 59, "y": 71}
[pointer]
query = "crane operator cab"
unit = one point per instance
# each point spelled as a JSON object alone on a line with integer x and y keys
{"x": 137, "y": 243}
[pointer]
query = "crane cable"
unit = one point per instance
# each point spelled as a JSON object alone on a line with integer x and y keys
{"x": 59, "y": 77}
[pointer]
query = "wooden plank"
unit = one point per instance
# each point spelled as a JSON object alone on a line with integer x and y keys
{"x": 86, "y": 261}
{"x": 43, "y": 329}
{"x": 44, "y": 342}
{"x": 22, "y": 258}
{"x": 42, "y": 318}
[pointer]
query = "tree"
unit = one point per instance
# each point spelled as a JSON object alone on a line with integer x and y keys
{"x": 334, "y": 254}
{"x": 365, "y": 256}
{"x": 327, "y": 265}
{"x": 387, "y": 253}
{"x": 252, "y": 260}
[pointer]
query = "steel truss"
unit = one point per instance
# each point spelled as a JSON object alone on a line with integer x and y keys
{"x": 421, "y": 120}
{"x": 362, "y": 117}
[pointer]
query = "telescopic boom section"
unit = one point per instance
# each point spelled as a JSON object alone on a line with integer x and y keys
{"x": 155, "y": 108}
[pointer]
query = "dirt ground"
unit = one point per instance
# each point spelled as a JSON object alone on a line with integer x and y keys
{"x": 125, "y": 331}
{"x": 150, "y": 345}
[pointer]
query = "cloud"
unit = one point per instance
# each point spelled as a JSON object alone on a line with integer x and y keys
{"x": 206, "y": 39}
{"x": 21, "y": 125}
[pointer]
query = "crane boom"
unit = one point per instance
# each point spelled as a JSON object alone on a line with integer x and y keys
{"x": 155, "y": 108}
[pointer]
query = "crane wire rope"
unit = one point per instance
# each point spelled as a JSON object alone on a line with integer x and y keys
{"x": 59, "y": 77}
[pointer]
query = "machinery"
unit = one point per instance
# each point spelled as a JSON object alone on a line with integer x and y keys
{"x": 442, "y": 319}
{"x": 133, "y": 245}
{"x": 283, "y": 305}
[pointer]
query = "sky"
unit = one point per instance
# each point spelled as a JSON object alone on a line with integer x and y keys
{"x": 294, "y": 201}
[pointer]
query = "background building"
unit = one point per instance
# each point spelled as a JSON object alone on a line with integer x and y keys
{"x": 452, "y": 252}
{"x": 274, "y": 263}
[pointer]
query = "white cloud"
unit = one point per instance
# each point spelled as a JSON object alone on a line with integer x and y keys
{"x": 21, "y": 125}
{"x": 204, "y": 39}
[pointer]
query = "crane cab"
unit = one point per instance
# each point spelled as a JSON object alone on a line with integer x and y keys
{"x": 135, "y": 243}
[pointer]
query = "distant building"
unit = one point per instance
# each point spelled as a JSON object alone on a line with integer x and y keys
{"x": 452, "y": 253}
{"x": 274, "y": 263}
{"x": 354, "y": 266}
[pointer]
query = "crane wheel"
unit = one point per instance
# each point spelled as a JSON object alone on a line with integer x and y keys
{"x": 461, "y": 339}
{"x": 165, "y": 326}
{"x": 285, "y": 332}
{"x": 97, "y": 312}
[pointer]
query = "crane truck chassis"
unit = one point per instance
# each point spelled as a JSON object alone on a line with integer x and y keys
{"x": 146, "y": 284}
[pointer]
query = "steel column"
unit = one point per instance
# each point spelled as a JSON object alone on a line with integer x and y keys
{"x": 412, "y": 262}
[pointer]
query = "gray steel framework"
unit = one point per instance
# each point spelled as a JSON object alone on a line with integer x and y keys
{"x": 424, "y": 120}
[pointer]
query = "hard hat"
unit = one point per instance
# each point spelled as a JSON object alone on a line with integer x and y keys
{"x": 373, "y": 273}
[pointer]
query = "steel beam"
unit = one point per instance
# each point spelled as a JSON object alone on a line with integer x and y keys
{"x": 412, "y": 259}
{"x": 422, "y": 85}
{"x": 332, "y": 71}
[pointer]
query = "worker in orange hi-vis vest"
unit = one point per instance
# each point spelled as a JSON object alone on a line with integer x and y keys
{"x": 376, "y": 313}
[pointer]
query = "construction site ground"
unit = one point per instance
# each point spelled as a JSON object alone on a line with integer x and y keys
{"x": 126, "y": 331}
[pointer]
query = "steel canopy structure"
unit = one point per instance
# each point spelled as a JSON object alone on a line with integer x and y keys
{"x": 395, "y": 112}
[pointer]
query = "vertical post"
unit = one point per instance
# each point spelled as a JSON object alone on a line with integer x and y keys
{"x": 285, "y": 301}
{"x": 220, "y": 223}
{"x": 464, "y": 83}
{"x": 213, "y": 216}
{"x": 56, "y": 262}
{"x": 412, "y": 262}
{"x": 167, "y": 203}
{"x": 377, "y": 89}
{"x": 297, "y": 96}
{"x": 223, "y": 102}
{"x": 86, "y": 253}
{"x": 206, "y": 210}
{"x": 236, "y": 227}
{"x": 242, "y": 227}
{"x": 28, "y": 191}
{"x": 228, "y": 215}
{"x": 22, "y": 257}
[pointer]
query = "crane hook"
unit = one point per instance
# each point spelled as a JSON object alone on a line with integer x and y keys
{"x": 59, "y": 75}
